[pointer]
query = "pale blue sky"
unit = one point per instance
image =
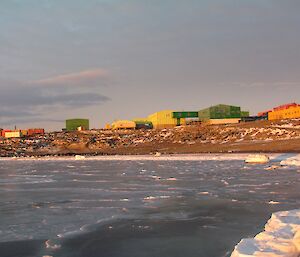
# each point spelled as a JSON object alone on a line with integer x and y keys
{"x": 108, "y": 60}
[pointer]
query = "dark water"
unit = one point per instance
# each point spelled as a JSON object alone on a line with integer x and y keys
{"x": 137, "y": 208}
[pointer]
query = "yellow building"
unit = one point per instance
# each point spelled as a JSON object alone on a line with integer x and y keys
{"x": 13, "y": 134}
{"x": 123, "y": 124}
{"x": 164, "y": 119}
{"x": 140, "y": 120}
{"x": 289, "y": 113}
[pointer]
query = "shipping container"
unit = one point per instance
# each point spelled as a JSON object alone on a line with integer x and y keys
{"x": 164, "y": 119}
{"x": 35, "y": 131}
{"x": 220, "y": 111}
{"x": 73, "y": 124}
{"x": 123, "y": 124}
{"x": 13, "y": 134}
{"x": 281, "y": 114}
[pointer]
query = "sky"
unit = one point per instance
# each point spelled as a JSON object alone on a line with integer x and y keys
{"x": 124, "y": 59}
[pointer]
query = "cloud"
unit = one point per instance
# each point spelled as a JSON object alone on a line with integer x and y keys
{"x": 27, "y": 120}
{"x": 34, "y": 101}
{"x": 88, "y": 77}
{"x": 10, "y": 113}
{"x": 275, "y": 84}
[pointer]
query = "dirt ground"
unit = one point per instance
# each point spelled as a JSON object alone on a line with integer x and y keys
{"x": 261, "y": 136}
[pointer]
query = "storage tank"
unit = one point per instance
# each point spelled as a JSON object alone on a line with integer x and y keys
{"x": 73, "y": 124}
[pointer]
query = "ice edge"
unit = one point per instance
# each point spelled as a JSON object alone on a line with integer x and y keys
{"x": 281, "y": 237}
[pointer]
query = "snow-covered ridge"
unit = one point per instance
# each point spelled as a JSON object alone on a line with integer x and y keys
{"x": 280, "y": 238}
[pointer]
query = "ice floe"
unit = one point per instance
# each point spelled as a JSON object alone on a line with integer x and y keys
{"x": 257, "y": 158}
{"x": 79, "y": 157}
{"x": 292, "y": 161}
{"x": 280, "y": 238}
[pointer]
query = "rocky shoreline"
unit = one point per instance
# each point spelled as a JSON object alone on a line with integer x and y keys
{"x": 263, "y": 136}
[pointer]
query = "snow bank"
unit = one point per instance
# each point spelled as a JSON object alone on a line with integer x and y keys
{"x": 293, "y": 161}
{"x": 281, "y": 238}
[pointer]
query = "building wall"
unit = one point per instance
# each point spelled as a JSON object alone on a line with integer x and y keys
{"x": 290, "y": 113}
{"x": 223, "y": 121}
{"x": 73, "y": 124}
{"x": 164, "y": 119}
{"x": 13, "y": 134}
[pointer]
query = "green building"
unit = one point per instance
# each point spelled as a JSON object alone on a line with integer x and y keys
{"x": 73, "y": 124}
{"x": 245, "y": 114}
{"x": 220, "y": 111}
